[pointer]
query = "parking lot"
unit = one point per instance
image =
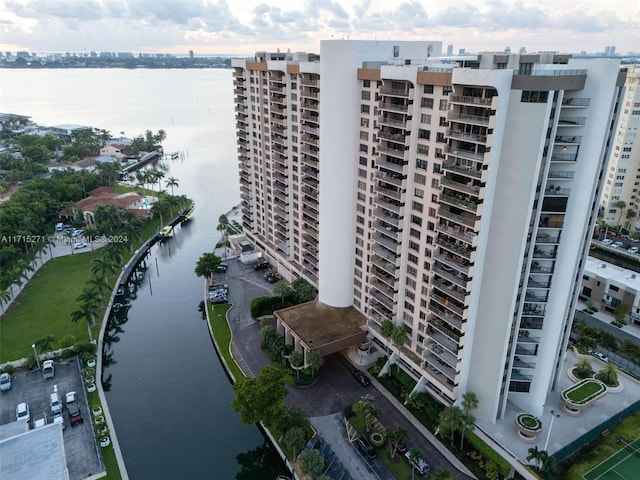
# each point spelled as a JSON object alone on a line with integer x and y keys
{"x": 30, "y": 387}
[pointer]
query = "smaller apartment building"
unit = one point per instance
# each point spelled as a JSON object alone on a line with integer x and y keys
{"x": 608, "y": 286}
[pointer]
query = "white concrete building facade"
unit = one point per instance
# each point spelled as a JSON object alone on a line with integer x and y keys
{"x": 452, "y": 195}
{"x": 621, "y": 181}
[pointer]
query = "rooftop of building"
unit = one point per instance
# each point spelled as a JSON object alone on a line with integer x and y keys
{"x": 319, "y": 325}
{"x": 35, "y": 454}
{"x": 622, "y": 276}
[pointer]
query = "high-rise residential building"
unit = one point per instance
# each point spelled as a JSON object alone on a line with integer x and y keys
{"x": 455, "y": 197}
{"x": 620, "y": 201}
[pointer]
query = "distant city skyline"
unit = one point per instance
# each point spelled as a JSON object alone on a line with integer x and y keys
{"x": 241, "y": 28}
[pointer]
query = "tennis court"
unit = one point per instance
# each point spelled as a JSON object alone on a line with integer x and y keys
{"x": 622, "y": 465}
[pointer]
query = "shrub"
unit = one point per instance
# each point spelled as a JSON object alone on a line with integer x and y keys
{"x": 261, "y": 306}
{"x": 67, "y": 353}
{"x": 9, "y": 369}
{"x": 31, "y": 362}
{"x": 67, "y": 341}
{"x": 348, "y": 411}
{"x": 87, "y": 347}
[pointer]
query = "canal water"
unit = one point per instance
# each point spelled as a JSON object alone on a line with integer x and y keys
{"x": 167, "y": 391}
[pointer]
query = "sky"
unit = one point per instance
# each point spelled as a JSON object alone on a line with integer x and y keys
{"x": 239, "y": 27}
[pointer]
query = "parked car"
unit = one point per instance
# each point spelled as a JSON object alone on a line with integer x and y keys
{"x": 77, "y": 233}
{"x": 601, "y": 356}
{"x": 59, "y": 418}
{"x": 22, "y": 412}
{"x": 55, "y": 404}
{"x": 48, "y": 369}
{"x": 74, "y": 414}
{"x": 222, "y": 268}
{"x": 420, "y": 465}
{"x": 361, "y": 377}
{"x": 261, "y": 265}
{"x": 40, "y": 422}
{"x": 617, "y": 245}
{"x": 606, "y": 241}
{"x": 5, "y": 382}
{"x": 633, "y": 250}
{"x": 70, "y": 398}
{"x": 366, "y": 448}
{"x": 79, "y": 245}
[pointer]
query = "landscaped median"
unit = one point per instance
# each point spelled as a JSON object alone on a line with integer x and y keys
{"x": 223, "y": 337}
{"x": 584, "y": 393}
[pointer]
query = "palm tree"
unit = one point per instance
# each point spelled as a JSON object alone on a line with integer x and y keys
{"x": 415, "y": 455}
{"x": 469, "y": 401}
{"x": 160, "y": 207}
{"x": 315, "y": 361}
{"x": 171, "y": 182}
{"x": 292, "y": 417}
{"x": 282, "y": 290}
{"x": 547, "y": 464}
{"x": 396, "y": 438}
{"x": 620, "y": 204}
{"x": 90, "y": 295}
{"x": 296, "y": 359}
{"x": 88, "y": 312}
{"x": 583, "y": 368}
{"x": 386, "y": 330}
{"x": 451, "y": 419}
{"x": 535, "y": 454}
{"x": 158, "y": 176}
{"x": 91, "y": 231}
{"x": 608, "y": 374}
{"x": 467, "y": 421}
{"x": 294, "y": 439}
{"x": 102, "y": 267}
{"x": 45, "y": 344}
{"x": 630, "y": 214}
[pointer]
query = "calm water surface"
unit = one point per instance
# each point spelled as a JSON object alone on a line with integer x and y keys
{"x": 169, "y": 396}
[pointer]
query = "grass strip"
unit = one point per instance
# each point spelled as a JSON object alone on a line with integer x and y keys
{"x": 222, "y": 333}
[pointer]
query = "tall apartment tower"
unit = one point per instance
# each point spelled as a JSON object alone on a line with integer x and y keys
{"x": 621, "y": 179}
{"x": 455, "y": 197}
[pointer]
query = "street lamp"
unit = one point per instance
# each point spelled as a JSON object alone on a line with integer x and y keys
{"x": 553, "y": 416}
{"x": 33, "y": 345}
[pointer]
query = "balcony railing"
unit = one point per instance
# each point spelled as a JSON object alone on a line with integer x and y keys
{"x": 568, "y": 139}
{"x": 576, "y": 102}
{"x": 467, "y": 187}
{"x": 456, "y": 201}
{"x": 572, "y": 121}
{"x": 464, "y": 117}
{"x": 394, "y": 107}
{"x": 392, "y": 122}
{"x": 470, "y": 100}
{"x": 564, "y": 157}
{"x": 462, "y": 135}
{"x": 398, "y": 92}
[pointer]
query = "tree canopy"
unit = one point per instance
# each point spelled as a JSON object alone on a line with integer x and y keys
{"x": 260, "y": 399}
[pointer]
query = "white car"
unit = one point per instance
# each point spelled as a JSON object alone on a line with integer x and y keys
{"x": 77, "y": 233}
{"x": 70, "y": 398}
{"x": 79, "y": 245}
{"x": 59, "y": 418}
{"x": 617, "y": 245}
{"x": 22, "y": 412}
{"x": 5, "y": 382}
{"x": 607, "y": 241}
{"x": 633, "y": 250}
{"x": 420, "y": 465}
{"x": 48, "y": 369}
{"x": 602, "y": 356}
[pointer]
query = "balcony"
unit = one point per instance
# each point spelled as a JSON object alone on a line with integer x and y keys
{"x": 465, "y": 219}
{"x": 572, "y": 121}
{"x": 531, "y": 283}
{"x": 576, "y": 102}
{"x": 391, "y": 245}
{"x": 443, "y": 354}
{"x": 444, "y": 335}
{"x": 467, "y": 137}
{"x": 310, "y": 129}
{"x": 458, "y": 200}
{"x": 391, "y": 205}
{"x": 388, "y": 280}
{"x": 308, "y": 93}
{"x": 437, "y": 367}
{"x": 568, "y": 139}
{"x": 394, "y": 107}
{"x": 467, "y": 236}
{"x": 531, "y": 297}
{"x": 557, "y": 192}
{"x": 382, "y": 298}
{"x": 449, "y": 263}
{"x": 391, "y": 178}
{"x": 310, "y": 150}
{"x": 466, "y": 118}
{"x": 451, "y": 275}
{"x": 392, "y": 122}
{"x": 387, "y": 217}
{"x": 452, "y": 290}
{"x": 460, "y": 250}
{"x": 540, "y": 253}
{"x": 394, "y": 152}
{"x": 564, "y": 157}
{"x": 384, "y": 265}
{"x": 483, "y": 102}
{"x": 392, "y": 193}
{"x": 560, "y": 175}
{"x": 533, "y": 310}
{"x": 394, "y": 137}
{"x": 391, "y": 233}
{"x": 396, "y": 92}
{"x": 461, "y": 186}
{"x": 453, "y": 151}
{"x": 446, "y": 316}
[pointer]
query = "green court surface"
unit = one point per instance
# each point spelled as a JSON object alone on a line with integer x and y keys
{"x": 622, "y": 465}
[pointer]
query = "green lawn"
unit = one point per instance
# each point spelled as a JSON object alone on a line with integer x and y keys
{"x": 44, "y": 307}
{"x": 583, "y": 391}
{"x": 577, "y": 465}
{"x": 222, "y": 334}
